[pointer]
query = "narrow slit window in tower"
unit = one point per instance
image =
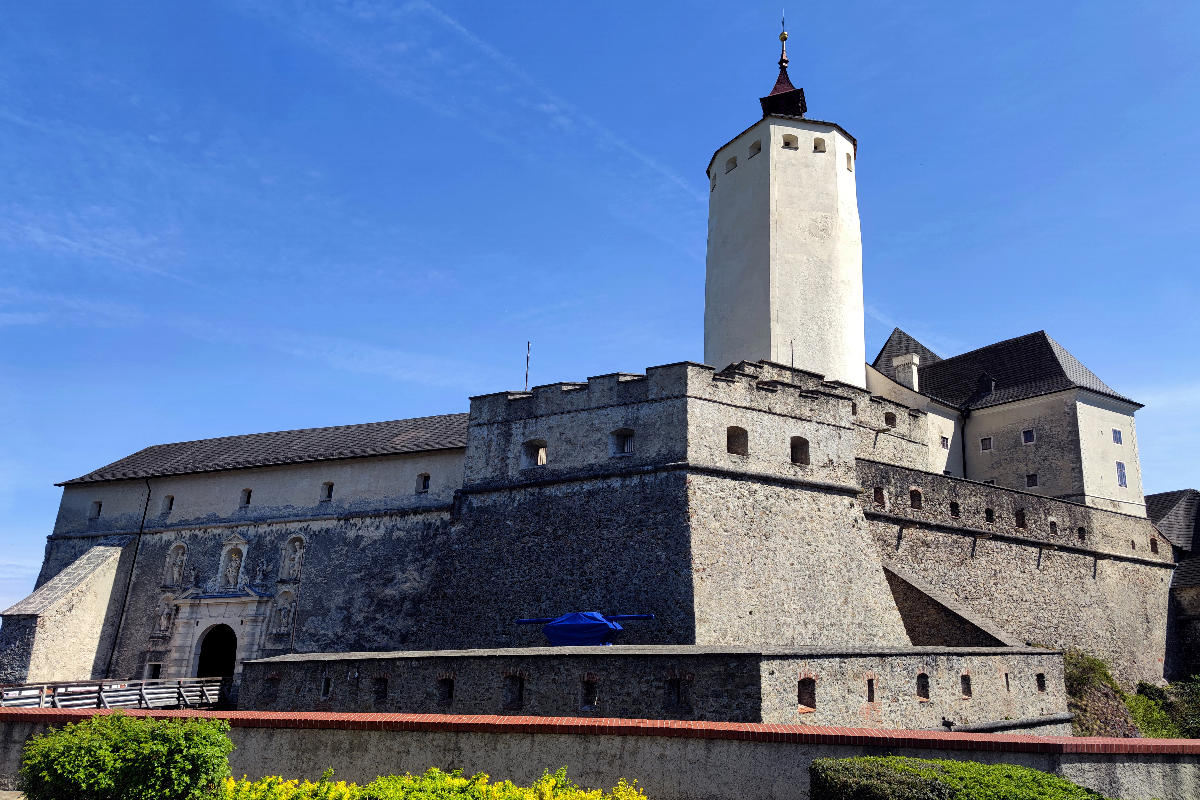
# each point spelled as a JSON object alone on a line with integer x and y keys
{"x": 800, "y": 450}
{"x": 922, "y": 686}
{"x": 737, "y": 441}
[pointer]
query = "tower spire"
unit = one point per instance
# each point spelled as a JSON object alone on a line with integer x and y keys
{"x": 784, "y": 99}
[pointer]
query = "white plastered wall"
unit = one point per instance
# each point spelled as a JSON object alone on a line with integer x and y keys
{"x": 1098, "y": 417}
{"x": 943, "y": 421}
{"x": 784, "y": 269}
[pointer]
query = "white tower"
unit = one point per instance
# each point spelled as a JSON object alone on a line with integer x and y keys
{"x": 784, "y": 270}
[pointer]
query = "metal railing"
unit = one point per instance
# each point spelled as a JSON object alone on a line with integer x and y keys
{"x": 158, "y": 693}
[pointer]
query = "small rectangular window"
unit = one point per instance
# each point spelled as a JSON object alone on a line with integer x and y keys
{"x": 1121, "y": 480}
{"x": 755, "y": 149}
{"x": 1116, "y": 435}
{"x": 945, "y": 442}
{"x": 246, "y": 497}
{"x": 1028, "y": 436}
{"x": 1031, "y": 480}
{"x": 1041, "y": 681}
{"x": 326, "y": 492}
{"x": 870, "y": 690}
{"x": 168, "y": 504}
{"x": 153, "y": 671}
{"x": 94, "y": 511}
{"x": 985, "y": 443}
{"x": 966, "y": 685}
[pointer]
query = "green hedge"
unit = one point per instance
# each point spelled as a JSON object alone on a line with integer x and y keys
{"x": 118, "y": 757}
{"x": 898, "y": 778}
{"x": 433, "y": 785}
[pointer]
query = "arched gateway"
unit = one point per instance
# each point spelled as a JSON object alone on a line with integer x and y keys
{"x": 218, "y": 653}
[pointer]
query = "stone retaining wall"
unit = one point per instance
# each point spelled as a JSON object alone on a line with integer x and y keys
{"x": 671, "y": 760}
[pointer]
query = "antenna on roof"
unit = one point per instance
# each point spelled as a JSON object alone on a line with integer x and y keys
{"x": 528, "y": 347}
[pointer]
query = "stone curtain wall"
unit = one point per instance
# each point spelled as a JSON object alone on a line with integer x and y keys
{"x": 1098, "y": 594}
{"x": 670, "y": 760}
{"x": 668, "y": 682}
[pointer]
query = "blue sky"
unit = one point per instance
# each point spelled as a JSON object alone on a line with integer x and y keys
{"x": 229, "y": 217}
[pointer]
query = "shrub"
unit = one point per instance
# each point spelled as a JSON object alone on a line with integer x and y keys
{"x": 1151, "y": 717}
{"x": 119, "y": 757}
{"x": 898, "y": 778}
{"x": 433, "y": 784}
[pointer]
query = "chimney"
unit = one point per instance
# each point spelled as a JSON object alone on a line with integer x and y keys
{"x": 905, "y": 369}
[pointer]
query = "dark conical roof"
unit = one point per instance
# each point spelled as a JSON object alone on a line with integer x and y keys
{"x": 784, "y": 98}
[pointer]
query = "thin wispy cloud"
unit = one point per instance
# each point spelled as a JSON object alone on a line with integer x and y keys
{"x": 418, "y": 52}
{"x": 27, "y": 307}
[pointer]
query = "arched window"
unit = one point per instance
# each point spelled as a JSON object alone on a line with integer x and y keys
{"x": 806, "y": 695}
{"x": 914, "y": 499}
{"x": 889, "y": 419}
{"x": 1020, "y": 517}
{"x": 923, "y": 686}
{"x": 731, "y": 164}
{"x": 790, "y": 142}
{"x": 879, "y": 496}
{"x": 800, "y": 450}
{"x": 737, "y": 441}
{"x": 620, "y": 442}
{"x": 755, "y": 149}
{"x": 818, "y": 145}
{"x": 533, "y": 454}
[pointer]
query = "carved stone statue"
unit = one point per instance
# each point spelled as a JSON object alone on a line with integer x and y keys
{"x": 232, "y": 567}
{"x": 174, "y": 572}
{"x": 293, "y": 559}
{"x": 260, "y": 573}
{"x": 166, "y": 615}
{"x": 190, "y": 576}
{"x": 283, "y": 617}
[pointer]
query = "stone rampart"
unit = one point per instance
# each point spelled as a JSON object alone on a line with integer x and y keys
{"x": 877, "y": 687}
{"x": 1089, "y": 581}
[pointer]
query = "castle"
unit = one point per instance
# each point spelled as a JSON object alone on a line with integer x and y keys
{"x": 905, "y": 543}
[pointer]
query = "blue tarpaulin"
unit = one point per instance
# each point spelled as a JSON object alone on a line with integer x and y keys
{"x": 582, "y": 628}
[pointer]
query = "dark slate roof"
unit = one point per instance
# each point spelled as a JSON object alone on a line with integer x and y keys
{"x": 901, "y": 344}
{"x": 1015, "y": 369}
{"x": 443, "y": 432}
{"x": 1187, "y": 573}
{"x": 1176, "y": 515}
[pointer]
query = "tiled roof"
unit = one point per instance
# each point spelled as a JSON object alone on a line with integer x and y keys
{"x": 901, "y": 344}
{"x": 443, "y": 432}
{"x": 1177, "y": 516}
{"x": 1015, "y": 369}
